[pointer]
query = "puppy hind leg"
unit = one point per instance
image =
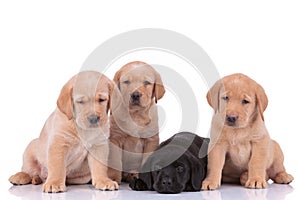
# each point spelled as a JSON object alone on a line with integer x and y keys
{"x": 277, "y": 171}
{"x": 244, "y": 178}
{"x": 36, "y": 180}
{"x": 23, "y": 178}
{"x": 283, "y": 178}
{"x": 20, "y": 178}
{"x": 30, "y": 169}
{"x": 278, "y": 174}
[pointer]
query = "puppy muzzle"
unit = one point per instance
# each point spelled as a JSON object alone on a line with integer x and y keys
{"x": 135, "y": 98}
{"x": 93, "y": 120}
{"x": 166, "y": 185}
{"x": 231, "y": 120}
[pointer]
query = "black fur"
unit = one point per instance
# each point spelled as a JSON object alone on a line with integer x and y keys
{"x": 178, "y": 164}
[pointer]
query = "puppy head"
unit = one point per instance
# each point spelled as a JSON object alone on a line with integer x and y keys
{"x": 171, "y": 172}
{"x": 85, "y": 98}
{"x": 139, "y": 83}
{"x": 239, "y": 99}
{"x": 172, "y": 178}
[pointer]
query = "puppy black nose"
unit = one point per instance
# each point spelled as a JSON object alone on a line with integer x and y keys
{"x": 166, "y": 181}
{"x": 135, "y": 96}
{"x": 93, "y": 119}
{"x": 231, "y": 119}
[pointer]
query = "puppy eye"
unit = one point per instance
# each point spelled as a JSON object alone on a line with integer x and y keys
{"x": 245, "y": 101}
{"x": 179, "y": 169}
{"x": 80, "y": 101}
{"x": 126, "y": 82}
{"x": 225, "y": 98}
{"x": 101, "y": 100}
{"x": 147, "y": 83}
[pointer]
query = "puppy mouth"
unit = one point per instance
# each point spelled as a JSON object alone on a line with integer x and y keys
{"x": 231, "y": 124}
{"x": 167, "y": 190}
{"x": 88, "y": 126}
{"x": 135, "y": 102}
{"x": 94, "y": 125}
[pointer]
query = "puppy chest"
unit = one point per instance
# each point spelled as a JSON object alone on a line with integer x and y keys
{"x": 135, "y": 145}
{"x": 239, "y": 155}
{"x": 76, "y": 157}
{"x": 132, "y": 154}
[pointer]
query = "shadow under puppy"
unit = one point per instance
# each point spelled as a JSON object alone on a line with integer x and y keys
{"x": 73, "y": 145}
{"x": 178, "y": 164}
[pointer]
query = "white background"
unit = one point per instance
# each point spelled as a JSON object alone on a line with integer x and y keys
{"x": 43, "y": 44}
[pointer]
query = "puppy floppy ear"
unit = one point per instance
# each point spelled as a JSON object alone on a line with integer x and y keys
{"x": 117, "y": 78}
{"x": 213, "y": 95}
{"x": 261, "y": 100}
{"x": 198, "y": 172}
{"x": 145, "y": 173}
{"x": 110, "y": 90}
{"x": 159, "y": 89}
{"x": 146, "y": 177}
{"x": 116, "y": 101}
{"x": 64, "y": 101}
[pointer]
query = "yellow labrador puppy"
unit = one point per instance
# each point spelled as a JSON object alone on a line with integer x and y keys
{"x": 241, "y": 149}
{"x": 73, "y": 145}
{"x": 133, "y": 121}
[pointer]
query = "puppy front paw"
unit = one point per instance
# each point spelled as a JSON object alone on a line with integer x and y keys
{"x": 20, "y": 178}
{"x": 130, "y": 176}
{"x": 256, "y": 183}
{"x": 105, "y": 184}
{"x": 138, "y": 185}
{"x": 208, "y": 184}
{"x": 54, "y": 187}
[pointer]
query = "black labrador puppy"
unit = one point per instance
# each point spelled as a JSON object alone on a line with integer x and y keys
{"x": 178, "y": 164}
